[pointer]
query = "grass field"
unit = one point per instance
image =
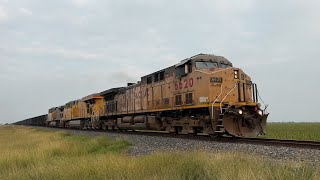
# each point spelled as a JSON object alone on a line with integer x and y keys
{"x": 295, "y": 131}
{"x": 36, "y": 154}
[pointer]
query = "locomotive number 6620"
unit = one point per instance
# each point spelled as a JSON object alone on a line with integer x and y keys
{"x": 183, "y": 84}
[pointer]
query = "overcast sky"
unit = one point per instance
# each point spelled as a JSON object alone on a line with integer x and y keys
{"x": 52, "y": 52}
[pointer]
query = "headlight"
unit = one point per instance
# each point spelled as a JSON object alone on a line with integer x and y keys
{"x": 260, "y": 112}
{"x": 240, "y": 111}
{"x": 236, "y": 73}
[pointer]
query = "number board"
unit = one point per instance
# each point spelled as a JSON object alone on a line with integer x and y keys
{"x": 216, "y": 79}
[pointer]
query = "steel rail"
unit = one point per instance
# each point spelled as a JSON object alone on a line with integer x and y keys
{"x": 281, "y": 142}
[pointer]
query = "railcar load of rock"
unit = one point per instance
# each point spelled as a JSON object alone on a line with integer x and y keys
{"x": 202, "y": 94}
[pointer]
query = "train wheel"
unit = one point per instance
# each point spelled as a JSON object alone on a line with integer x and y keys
{"x": 185, "y": 129}
{"x": 178, "y": 129}
{"x": 207, "y": 129}
{"x": 215, "y": 135}
{"x": 195, "y": 131}
{"x": 110, "y": 128}
{"x": 172, "y": 130}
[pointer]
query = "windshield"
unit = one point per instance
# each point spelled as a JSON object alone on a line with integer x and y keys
{"x": 206, "y": 65}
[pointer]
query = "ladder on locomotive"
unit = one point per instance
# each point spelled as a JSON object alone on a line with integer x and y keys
{"x": 220, "y": 127}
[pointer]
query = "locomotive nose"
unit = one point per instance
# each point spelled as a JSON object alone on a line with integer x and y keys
{"x": 244, "y": 126}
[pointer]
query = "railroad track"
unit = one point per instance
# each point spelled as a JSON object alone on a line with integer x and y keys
{"x": 223, "y": 139}
{"x": 281, "y": 142}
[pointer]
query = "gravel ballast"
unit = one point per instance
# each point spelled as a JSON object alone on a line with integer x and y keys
{"x": 146, "y": 144}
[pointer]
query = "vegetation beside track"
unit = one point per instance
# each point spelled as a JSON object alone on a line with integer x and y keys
{"x": 28, "y": 153}
{"x": 294, "y": 131}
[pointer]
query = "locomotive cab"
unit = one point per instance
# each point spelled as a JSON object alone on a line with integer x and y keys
{"x": 229, "y": 92}
{"x": 238, "y": 105}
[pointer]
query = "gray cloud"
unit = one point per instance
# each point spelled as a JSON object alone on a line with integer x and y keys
{"x": 55, "y": 51}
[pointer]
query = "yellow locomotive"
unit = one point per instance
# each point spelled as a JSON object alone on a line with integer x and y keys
{"x": 201, "y": 94}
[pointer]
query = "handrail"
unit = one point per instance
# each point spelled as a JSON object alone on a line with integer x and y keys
{"x": 265, "y": 105}
{"x": 215, "y": 102}
{"x": 235, "y": 85}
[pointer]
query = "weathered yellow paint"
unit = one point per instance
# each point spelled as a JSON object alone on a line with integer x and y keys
{"x": 99, "y": 107}
{"x": 151, "y": 97}
{"x": 190, "y": 107}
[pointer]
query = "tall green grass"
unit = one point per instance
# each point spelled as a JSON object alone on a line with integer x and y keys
{"x": 294, "y": 131}
{"x": 33, "y": 154}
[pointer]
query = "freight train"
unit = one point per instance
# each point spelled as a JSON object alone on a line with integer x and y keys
{"x": 201, "y": 94}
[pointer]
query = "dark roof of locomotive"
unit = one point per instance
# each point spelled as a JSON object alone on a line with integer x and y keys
{"x": 92, "y": 96}
{"x": 219, "y": 59}
{"x": 111, "y": 91}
